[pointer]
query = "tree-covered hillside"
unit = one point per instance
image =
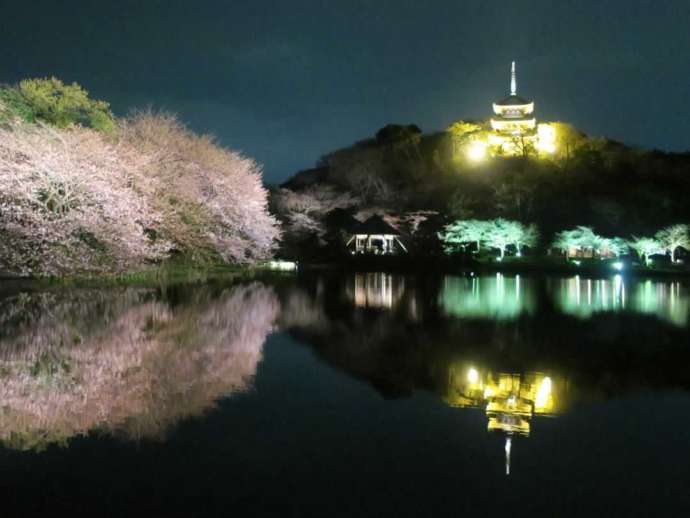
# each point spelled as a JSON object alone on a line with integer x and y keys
{"x": 616, "y": 189}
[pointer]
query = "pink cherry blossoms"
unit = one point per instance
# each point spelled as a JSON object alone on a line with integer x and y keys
{"x": 77, "y": 201}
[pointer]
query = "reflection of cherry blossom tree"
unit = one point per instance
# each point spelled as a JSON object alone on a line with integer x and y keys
{"x": 138, "y": 369}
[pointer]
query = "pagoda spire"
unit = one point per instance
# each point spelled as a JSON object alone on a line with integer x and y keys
{"x": 513, "y": 80}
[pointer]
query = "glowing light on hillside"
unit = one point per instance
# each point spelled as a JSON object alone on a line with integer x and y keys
{"x": 476, "y": 151}
{"x": 472, "y": 375}
{"x": 546, "y": 138}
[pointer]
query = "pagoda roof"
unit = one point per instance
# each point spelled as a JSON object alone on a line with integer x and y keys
{"x": 503, "y": 118}
{"x": 513, "y": 100}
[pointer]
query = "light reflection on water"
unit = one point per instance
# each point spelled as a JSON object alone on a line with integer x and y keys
{"x": 497, "y": 296}
{"x": 503, "y": 297}
{"x": 509, "y": 400}
{"x": 123, "y": 361}
{"x": 666, "y": 300}
{"x": 133, "y": 362}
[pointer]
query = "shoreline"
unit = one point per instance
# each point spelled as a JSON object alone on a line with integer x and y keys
{"x": 442, "y": 266}
{"x": 182, "y": 274}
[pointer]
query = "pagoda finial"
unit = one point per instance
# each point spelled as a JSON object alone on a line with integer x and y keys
{"x": 513, "y": 80}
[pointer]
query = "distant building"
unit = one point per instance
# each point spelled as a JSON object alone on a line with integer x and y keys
{"x": 376, "y": 237}
{"x": 514, "y": 115}
{"x": 512, "y": 130}
{"x": 514, "y": 125}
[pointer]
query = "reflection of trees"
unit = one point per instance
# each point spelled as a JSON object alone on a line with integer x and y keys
{"x": 123, "y": 361}
{"x": 668, "y": 301}
{"x": 499, "y": 326}
{"x": 498, "y": 297}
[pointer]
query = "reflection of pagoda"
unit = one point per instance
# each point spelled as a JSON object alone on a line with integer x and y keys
{"x": 509, "y": 400}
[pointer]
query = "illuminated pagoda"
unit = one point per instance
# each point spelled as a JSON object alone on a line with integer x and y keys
{"x": 513, "y": 129}
{"x": 514, "y": 115}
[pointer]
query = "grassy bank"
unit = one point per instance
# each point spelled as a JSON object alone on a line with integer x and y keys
{"x": 166, "y": 275}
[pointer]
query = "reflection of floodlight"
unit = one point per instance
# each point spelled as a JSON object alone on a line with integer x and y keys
{"x": 477, "y": 151}
{"x": 543, "y": 393}
{"x": 618, "y": 266}
{"x": 472, "y": 375}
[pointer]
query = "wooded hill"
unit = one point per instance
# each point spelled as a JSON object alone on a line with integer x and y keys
{"x": 404, "y": 174}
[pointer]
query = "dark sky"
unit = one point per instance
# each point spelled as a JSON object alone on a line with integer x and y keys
{"x": 286, "y": 81}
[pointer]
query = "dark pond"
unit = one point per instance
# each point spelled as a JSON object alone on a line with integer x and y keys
{"x": 359, "y": 395}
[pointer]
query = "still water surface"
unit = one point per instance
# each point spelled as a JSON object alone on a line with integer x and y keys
{"x": 359, "y": 395}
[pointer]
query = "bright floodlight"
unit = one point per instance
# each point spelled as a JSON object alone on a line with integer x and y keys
{"x": 618, "y": 266}
{"x": 546, "y": 138}
{"x": 476, "y": 151}
{"x": 472, "y": 375}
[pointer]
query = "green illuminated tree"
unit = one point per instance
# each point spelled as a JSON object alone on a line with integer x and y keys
{"x": 674, "y": 237}
{"x": 580, "y": 239}
{"x": 500, "y": 234}
{"x": 461, "y": 233}
{"x": 528, "y": 236}
{"x": 61, "y": 105}
{"x": 615, "y": 246}
{"x": 645, "y": 247}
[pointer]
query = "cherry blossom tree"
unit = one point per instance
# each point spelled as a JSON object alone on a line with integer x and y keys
{"x": 674, "y": 237}
{"x": 645, "y": 247}
{"x": 67, "y": 203}
{"x": 210, "y": 197}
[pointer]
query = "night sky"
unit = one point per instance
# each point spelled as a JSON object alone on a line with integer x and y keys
{"x": 287, "y": 81}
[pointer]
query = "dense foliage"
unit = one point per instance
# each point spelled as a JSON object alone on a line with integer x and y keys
{"x": 592, "y": 182}
{"x": 118, "y": 194}
{"x": 463, "y": 236}
{"x": 498, "y": 234}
